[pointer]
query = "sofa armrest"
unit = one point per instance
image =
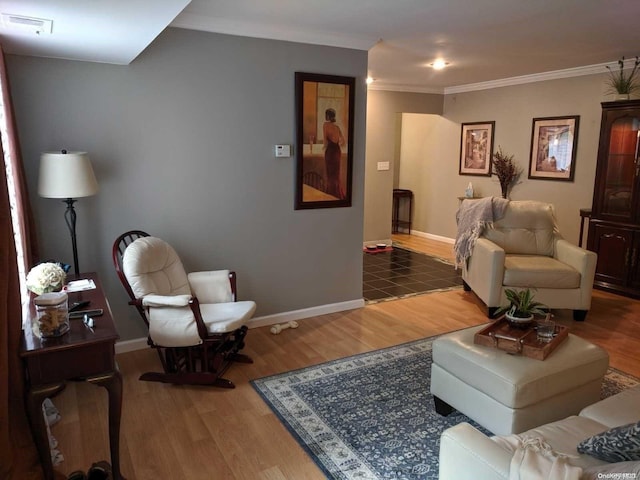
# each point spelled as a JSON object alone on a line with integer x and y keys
{"x": 466, "y": 453}
{"x": 584, "y": 261}
{"x": 484, "y": 271}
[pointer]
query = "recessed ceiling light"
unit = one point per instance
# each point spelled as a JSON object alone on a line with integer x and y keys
{"x": 439, "y": 64}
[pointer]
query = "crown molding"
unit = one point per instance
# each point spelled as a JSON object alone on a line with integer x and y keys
{"x": 396, "y": 87}
{"x": 599, "y": 68}
{"x": 536, "y": 77}
{"x": 256, "y": 30}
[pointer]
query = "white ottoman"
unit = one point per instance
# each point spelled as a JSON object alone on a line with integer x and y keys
{"x": 509, "y": 393}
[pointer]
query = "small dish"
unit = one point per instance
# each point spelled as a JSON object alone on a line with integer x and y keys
{"x": 381, "y": 245}
{"x": 371, "y": 247}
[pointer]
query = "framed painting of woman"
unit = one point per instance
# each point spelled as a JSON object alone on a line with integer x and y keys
{"x": 324, "y": 140}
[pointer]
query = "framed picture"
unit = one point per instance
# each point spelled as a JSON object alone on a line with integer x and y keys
{"x": 476, "y": 147}
{"x": 554, "y": 141}
{"x": 324, "y": 140}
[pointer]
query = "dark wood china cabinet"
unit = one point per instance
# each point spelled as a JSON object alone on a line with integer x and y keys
{"x": 614, "y": 228}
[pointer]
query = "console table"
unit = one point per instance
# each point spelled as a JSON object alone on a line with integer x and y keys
{"x": 80, "y": 354}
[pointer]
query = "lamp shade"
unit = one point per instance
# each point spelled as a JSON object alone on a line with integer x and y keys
{"x": 66, "y": 175}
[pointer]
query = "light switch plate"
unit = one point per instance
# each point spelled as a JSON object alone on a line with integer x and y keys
{"x": 383, "y": 165}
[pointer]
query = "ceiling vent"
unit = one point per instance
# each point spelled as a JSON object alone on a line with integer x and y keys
{"x": 26, "y": 24}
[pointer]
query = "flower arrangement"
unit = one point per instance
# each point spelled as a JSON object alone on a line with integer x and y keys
{"x": 619, "y": 82}
{"x": 505, "y": 169}
{"x": 46, "y": 277}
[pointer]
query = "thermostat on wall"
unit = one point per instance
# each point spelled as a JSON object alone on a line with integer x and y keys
{"x": 283, "y": 150}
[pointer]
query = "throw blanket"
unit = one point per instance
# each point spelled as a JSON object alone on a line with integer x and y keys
{"x": 534, "y": 459}
{"x": 472, "y": 217}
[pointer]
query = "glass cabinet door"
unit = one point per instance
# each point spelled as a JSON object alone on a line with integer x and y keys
{"x": 621, "y": 168}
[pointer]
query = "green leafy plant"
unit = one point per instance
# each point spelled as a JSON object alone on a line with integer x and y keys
{"x": 505, "y": 168}
{"x": 622, "y": 83}
{"x": 521, "y": 304}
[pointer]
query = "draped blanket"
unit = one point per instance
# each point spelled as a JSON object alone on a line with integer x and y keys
{"x": 534, "y": 459}
{"x": 472, "y": 217}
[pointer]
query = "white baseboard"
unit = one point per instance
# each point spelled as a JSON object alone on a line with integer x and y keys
{"x": 431, "y": 236}
{"x": 141, "y": 343}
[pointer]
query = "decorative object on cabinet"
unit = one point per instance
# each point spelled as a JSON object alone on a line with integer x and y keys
{"x": 554, "y": 141}
{"x": 324, "y": 140}
{"x": 614, "y": 226}
{"x": 505, "y": 168}
{"x": 476, "y": 145}
{"x": 621, "y": 84}
{"x": 67, "y": 175}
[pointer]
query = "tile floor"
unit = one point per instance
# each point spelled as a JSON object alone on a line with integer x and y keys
{"x": 400, "y": 272}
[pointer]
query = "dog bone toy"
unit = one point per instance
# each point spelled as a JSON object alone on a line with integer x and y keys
{"x": 276, "y": 329}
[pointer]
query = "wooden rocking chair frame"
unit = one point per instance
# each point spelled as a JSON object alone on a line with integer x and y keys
{"x": 202, "y": 364}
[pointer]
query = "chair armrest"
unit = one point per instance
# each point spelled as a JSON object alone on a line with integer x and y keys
{"x": 166, "y": 300}
{"x": 584, "y": 261}
{"x": 211, "y": 287}
{"x": 466, "y": 453}
{"x": 484, "y": 271}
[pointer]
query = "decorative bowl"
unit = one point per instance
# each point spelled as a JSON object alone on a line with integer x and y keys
{"x": 381, "y": 245}
{"x": 371, "y": 247}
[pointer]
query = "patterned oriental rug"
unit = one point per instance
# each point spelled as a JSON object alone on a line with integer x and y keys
{"x": 371, "y": 416}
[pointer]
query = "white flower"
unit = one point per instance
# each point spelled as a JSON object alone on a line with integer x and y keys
{"x": 46, "y": 277}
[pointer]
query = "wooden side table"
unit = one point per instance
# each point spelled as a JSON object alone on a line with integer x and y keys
{"x": 398, "y": 195}
{"x": 80, "y": 354}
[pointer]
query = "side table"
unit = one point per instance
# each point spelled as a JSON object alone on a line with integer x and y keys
{"x": 396, "y": 223}
{"x": 80, "y": 354}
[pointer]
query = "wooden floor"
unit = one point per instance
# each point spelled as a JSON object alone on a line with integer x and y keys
{"x": 196, "y": 433}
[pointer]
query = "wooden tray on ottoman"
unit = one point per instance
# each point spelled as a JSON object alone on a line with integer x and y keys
{"x": 500, "y": 334}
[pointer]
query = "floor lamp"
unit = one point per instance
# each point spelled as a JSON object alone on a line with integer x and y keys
{"x": 67, "y": 175}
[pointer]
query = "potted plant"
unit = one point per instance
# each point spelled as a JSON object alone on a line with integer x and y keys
{"x": 505, "y": 168}
{"x": 521, "y": 308}
{"x": 623, "y": 84}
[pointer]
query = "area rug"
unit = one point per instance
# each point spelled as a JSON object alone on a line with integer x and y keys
{"x": 370, "y": 416}
{"x": 402, "y": 272}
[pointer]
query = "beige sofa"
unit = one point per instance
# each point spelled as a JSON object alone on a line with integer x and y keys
{"x": 466, "y": 453}
{"x": 524, "y": 249}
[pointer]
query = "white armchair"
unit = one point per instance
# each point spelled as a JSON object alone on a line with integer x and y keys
{"x": 524, "y": 249}
{"x": 194, "y": 320}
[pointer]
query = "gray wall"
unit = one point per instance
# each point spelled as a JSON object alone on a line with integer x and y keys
{"x": 182, "y": 144}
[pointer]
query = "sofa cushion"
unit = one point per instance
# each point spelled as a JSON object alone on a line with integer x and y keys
{"x": 618, "y": 444}
{"x": 619, "y": 409}
{"x": 538, "y": 272}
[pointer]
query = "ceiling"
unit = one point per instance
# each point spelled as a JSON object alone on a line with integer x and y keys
{"x": 485, "y": 42}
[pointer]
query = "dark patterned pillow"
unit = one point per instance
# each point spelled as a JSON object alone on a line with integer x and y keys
{"x": 616, "y": 445}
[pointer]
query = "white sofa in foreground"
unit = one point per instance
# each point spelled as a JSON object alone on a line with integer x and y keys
{"x": 466, "y": 453}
